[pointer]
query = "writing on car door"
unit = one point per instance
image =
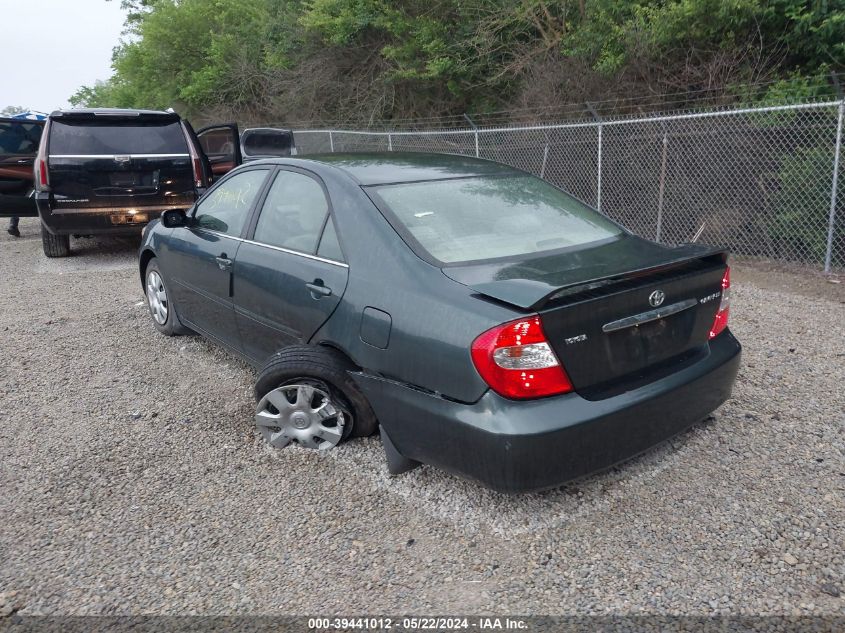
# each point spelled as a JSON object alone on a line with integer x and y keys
{"x": 202, "y": 255}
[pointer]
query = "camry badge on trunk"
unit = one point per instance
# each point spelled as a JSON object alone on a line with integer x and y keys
{"x": 656, "y": 298}
{"x": 122, "y": 159}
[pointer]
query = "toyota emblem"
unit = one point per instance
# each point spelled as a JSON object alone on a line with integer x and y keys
{"x": 656, "y": 298}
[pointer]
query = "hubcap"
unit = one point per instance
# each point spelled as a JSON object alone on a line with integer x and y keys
{"x": 157, "y": 297}
{"x": 301, "y": 411}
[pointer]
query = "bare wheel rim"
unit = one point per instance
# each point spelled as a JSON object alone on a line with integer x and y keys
{"x": 157, "y": 297}
{"x": 301, "y": 411}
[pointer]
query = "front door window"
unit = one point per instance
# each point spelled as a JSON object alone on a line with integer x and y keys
{"x": 226, "y": 207}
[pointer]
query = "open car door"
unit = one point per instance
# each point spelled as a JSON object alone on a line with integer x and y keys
{"x": 19, "y": 139}
{"x": 266, "y": 142}
{"x": 222, "y": 146}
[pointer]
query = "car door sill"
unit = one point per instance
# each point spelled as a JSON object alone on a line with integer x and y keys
{"x": 296, "y": 337}
{"x": 255, "y": 364}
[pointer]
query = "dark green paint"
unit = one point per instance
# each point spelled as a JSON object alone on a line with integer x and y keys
{"x": 415, "y": 362}
{"x": 380, "y": 169}
{"x": 528, "y": 282}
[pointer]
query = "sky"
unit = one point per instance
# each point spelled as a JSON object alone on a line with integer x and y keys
{"x": 52, "y": 47}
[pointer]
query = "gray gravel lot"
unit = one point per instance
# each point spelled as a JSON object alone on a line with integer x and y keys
{"x": 131, "y": 481}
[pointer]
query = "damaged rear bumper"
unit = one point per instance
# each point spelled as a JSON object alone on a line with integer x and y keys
{"x": 514, "y": 446}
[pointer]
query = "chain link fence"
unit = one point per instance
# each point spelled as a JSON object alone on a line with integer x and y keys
{"x": 763, "y": 182}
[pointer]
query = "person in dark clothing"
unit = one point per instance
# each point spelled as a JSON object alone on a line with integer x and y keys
{"x": 13, "y": 226}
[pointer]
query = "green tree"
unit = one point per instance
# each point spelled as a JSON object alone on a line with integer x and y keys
{"x": 12, "y": 110}
{"x": 359, "y": 60}
{"x": 194, "y": 53}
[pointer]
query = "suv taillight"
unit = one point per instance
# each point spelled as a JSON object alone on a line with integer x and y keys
{"x": 43, "y": 181}
{"x": 721, "y": 320}
{"x": 516, "y": 360}
{"x": 195, "y": 161}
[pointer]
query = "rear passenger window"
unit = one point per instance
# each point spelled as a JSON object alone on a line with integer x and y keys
{"x": 225, "y": 208}
{"x": 329, "y": 246}
{"x": 293, "y": 213}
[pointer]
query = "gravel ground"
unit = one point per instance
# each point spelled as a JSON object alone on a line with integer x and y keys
{"x": 131, "y": 481}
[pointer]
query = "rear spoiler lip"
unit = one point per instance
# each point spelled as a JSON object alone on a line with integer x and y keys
{"x": 163, "y": 117}
{"x": 533, "y": 295}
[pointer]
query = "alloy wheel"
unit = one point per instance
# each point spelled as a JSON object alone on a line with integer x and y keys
{"x": 157, "y": 297}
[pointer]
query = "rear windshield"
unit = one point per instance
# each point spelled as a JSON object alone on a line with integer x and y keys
{"x": 89, "y": 138}
{"x": 19, "y": 137}
{"x": 491, "y": 217}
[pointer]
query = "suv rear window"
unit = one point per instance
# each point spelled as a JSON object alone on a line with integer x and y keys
{"x": 88, "y": 138}
{"x": 472, "y": 219}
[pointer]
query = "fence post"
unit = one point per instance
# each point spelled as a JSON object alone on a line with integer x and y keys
{"x": 545, "y": 155}
{"x": 833, "y": 189}
{"x": 545, "y": 160}
{"x": 474, "y": 127}
{"x": 662, "y": 186}
{"x": 331, "y": 141}
{"x": 598, "y": 158}
{"x": 390, "y": 142}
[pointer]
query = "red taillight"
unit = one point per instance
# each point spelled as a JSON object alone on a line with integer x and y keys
{"x": 195, "y": 161}
{"x": 42, "y": 172}
{"x": 516, "y": 360}
{"x": 721, "y": 320}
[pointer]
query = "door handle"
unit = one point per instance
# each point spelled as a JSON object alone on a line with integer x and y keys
{"x": 223, "y": 263}
{"x": 318, "y": 290}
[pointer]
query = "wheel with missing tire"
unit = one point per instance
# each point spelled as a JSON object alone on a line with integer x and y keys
{"x": 305, "y": 395}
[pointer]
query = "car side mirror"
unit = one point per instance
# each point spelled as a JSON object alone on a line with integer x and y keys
{"x": 173, "y": 218}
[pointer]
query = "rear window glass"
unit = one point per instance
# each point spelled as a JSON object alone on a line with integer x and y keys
{"x": 88, "y": 138}
{"x": 267, "y": 142}
{"x": 486, "y": 218}
{"x": 19, "y": 138}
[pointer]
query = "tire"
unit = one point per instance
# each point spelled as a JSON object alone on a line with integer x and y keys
{"x": 54, "y": 245}
{"x": 162, "y": 311}
{"x": 314, "y": 363}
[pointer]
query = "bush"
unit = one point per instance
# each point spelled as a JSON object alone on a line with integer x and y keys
{"x": 799, "y": 224}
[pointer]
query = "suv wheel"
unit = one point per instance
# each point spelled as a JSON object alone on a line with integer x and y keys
{"x": 305, "y": 394}
{"x": 54, "y": 245}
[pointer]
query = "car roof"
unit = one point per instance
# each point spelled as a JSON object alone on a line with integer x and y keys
{"x": 379, "y": 168}
{"x": 128, "y": 112}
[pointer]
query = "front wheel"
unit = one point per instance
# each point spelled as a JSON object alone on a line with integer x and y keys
{"x": 305, "y": 394}
{"x": 54, "y": 245}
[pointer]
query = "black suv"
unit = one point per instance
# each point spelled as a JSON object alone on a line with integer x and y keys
{"x": 112, "y": 171}
{"x": 19, "y": 139}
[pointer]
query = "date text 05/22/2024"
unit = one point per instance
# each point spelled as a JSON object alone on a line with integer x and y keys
{"x": 417, "y": 624}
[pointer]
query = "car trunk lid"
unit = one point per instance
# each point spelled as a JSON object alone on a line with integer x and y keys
{"x": 618, "y": 314}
